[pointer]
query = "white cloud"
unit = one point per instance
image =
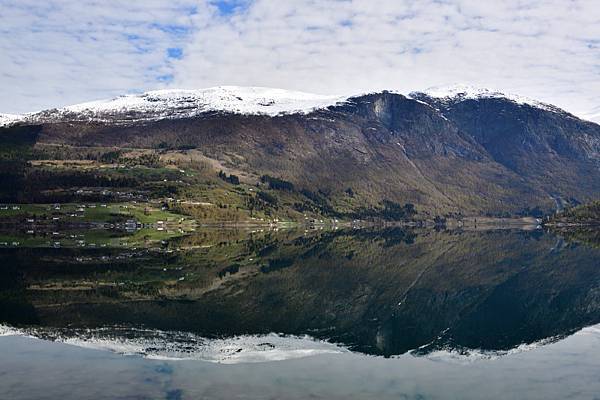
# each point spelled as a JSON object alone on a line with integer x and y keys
{"x": 58, "y": 52}
{"x": 549, "y": 50}
{"x": 542, "y": 49}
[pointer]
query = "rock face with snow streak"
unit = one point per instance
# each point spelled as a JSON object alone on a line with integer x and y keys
{"x": 538, "y": 141}
{"x": 459, "y": 93}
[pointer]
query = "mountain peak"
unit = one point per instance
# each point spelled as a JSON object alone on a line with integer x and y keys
{"x": 182, "y": 103}
{"x": 237, "y": 99}
{"x": 461, "y": 92}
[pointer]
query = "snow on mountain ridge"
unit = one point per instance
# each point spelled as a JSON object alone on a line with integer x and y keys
{"x": 6, "y": 119}
{"x": 468, "y": 92}
{"x": 182, "y": 103}
{"x": 185, "y": 103}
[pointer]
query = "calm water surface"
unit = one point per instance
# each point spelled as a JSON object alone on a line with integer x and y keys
{"x": 300, "y": 314}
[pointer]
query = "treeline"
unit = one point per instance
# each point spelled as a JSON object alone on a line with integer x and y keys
{"x": 32, "y": 184}
{"x": 319, "y": 202}
{"x": 12, "y": 180}
{"x": 42, "y": 179}
{"x": 390, "y": 211}
{"x": 15, "y": 152}
{"x": 233, "y": 179}
{"x": 150, "y": 160}
{"x": 588, "y": 214}
{"x": 277, "y": 183}
{"x": 116, "y": 156}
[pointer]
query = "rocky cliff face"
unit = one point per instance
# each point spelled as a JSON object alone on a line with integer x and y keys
{"x": 547, "y": 146}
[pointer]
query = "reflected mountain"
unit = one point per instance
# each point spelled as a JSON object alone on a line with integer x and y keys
{"x": 378, "y": 292}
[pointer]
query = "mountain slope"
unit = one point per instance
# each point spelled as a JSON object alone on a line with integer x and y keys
{"x": 549, "y": 147}
{"x": 468, "y": 154}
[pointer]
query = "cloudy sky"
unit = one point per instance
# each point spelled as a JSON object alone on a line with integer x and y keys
{"x": 59, "y": 52}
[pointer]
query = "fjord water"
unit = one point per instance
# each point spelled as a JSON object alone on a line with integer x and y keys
{"x": 391, "y": 313}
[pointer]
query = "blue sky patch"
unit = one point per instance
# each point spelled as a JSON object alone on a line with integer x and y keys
{"x": 175, "y": 52}
{"x": 229, "y": 7}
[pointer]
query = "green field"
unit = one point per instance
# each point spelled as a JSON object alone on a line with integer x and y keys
{"x": 145, "y": 213}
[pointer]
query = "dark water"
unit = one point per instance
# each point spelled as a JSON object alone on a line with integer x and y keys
{"x": 302, "y": 314}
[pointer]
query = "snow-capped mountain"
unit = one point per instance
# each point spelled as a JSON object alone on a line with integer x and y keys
{"x": 473, "y": 150}
{"x": 7, "y": 119}
{"x": 457, "y": 93}
{"x": 180, "y": 103}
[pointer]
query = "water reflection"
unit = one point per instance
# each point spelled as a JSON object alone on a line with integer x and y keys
{"x": 382, "y": 292}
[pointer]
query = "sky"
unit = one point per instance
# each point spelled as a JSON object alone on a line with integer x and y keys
{"x": 59, "y": 52}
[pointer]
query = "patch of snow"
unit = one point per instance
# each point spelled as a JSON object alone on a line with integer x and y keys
{"x": 243, "y": 100}
{"x": 467, "y": 356}
{"x": 180, "y": 103}
{"x": 467, "y": 92}
{"x": 9, "y": 331}
{"x": 8, "y": 119}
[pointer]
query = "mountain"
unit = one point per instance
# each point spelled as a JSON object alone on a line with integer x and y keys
{"x": 467, "y": 151}
{"x": 175, "y": 104}
{"x": 547, "y": 146}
